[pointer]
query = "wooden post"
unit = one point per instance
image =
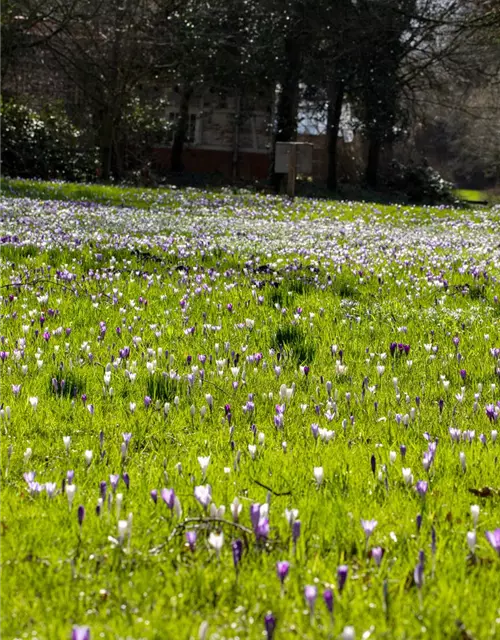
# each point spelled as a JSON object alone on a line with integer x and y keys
{"x": 292, "y": 170}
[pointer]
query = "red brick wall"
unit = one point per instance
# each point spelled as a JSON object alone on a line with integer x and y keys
{"x": 250, "y": 165}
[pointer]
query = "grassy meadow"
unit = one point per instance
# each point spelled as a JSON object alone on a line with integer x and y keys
{"x": 227, "y": 415}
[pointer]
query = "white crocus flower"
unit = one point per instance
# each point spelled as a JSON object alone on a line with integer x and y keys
{"x": 204, "y": 462}
{"x": 216, "y": 540}
{"x": 407, "y": 475}
{"x": 236, "y": 508}
{"x": 319, "y": 475}
{"x": 70, "y": 492}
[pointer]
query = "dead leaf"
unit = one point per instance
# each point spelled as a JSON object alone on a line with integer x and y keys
{"x": 484, "y": 492}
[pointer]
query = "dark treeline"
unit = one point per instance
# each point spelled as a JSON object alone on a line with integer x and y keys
{"x": 416, "y": 73}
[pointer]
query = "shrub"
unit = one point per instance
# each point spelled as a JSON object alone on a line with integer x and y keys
{"x": 420, "y": 183}
{"x": 43, "y": 144}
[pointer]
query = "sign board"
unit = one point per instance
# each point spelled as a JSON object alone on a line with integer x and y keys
{"x": 303, "y": 157}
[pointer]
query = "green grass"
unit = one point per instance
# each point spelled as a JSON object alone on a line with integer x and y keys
{"x": 490, "y": 197}
{"x": 469, "y": 195}
{"x": 331, "y": 278}
{"x": 141, "y": 198}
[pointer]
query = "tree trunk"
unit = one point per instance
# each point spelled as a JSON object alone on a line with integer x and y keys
{"x": 335, "y": 100}
{"x": 286, "y": 113}
{"x": 106, "y": 146}
{"x": 372, "y": 164}
{"x": 181, "y": 130}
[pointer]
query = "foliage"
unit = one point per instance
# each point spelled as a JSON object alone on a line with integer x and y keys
{"x": 420, "y": 183}
{"x": 43, "y": 144}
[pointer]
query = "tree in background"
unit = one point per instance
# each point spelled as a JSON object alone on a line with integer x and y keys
{"x": 394, "y": 61}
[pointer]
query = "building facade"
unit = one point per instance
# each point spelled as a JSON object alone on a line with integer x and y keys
{"x": 224, "y": 136}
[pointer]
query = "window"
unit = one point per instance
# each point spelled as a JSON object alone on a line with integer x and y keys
{"x": 191, "y": 127}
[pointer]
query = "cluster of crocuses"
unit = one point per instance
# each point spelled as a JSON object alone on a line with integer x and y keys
{"x": 133, "y": 350}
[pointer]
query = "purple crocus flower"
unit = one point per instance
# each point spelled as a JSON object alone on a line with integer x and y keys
{"x": 126, "y": 480}
{"x": 342, "y": 572}
{"x": 262, "y": 530}
{"x": 490, "y": 411}
{"x": 282, "y": 569}
{"x": 255, "y": 515}
{"x": 80, "y": 633}
{"x": 328, "y": 598}
{"x": 421, "y": 487}
{"x": 147, "y": 401}
{"x": 402, "y": 449}
{"x": 237, "y": 548}
{"x": 270, "y": 625}
{"x": 168, "y": 497}
{"x": 126, "y": 438}
{"x": 114, "y": 479}
{"x": 493, "y": 538}
{"x": 191, "y": 539}
{"x": 377, "y": 554}
{"x": 463, "y": 374}
{"x": 368, "y": 527}
{"x": 154, "y": 495}
{"x": 315, "y": 430}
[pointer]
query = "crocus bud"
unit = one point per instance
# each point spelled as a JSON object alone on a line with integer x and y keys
{"x": 471, "y": 541}
{"x": 311, "y": 593}
{"x": 463, "y": 461}
{"x": 282, "y": 569}
{"x": 191, "y": 540}
{"x": 237, "y": 548}
{"x": 419, "y": 521}
{"x": 70, "y": 492}
{"x": 348, "y": 633}
{"x": 474, "y": 511}
{"x": 81, "y": 514}
{"x": 328, "y": 598}
{"x": 342, "y": 572}
{"x": 296, "y": 530}
{"x": 270, "y": 626}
